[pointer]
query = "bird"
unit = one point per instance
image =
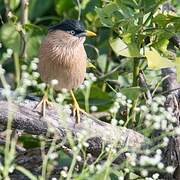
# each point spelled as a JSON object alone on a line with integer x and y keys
{"x": 62, "y": 57}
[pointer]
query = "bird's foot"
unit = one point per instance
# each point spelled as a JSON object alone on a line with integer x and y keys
{"x": 76, "y": 112}
{"x": 43, "y": 104}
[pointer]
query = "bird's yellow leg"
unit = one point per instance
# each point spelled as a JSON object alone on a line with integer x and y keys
{"x": 76, "y": 108}
{"x": 43, "y": 103}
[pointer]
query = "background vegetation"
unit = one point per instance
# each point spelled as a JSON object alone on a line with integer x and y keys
{"x": 133, "y": 37}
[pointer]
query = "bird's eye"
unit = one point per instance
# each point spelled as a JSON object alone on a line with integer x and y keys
{"x": 72, "y": 32}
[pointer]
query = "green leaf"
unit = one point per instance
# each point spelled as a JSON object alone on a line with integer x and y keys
{"x": 100, "y": 99}
{"x": 102, "y": 60}
{"x": 62, "y": 6}
{"x": 149, "y": 6}
{"x": 131, "y": 92}
{"x": 177, "y": 63}
{"x": 10, "y": 37}
{"x": 97, "y": 98}
{"x": 120, "y": 48}
{"x": 102, "y": 174}
{"x": 105, "y": 14}
{"x": 155, "y": 61}
{"x": 38, "y": 8}
{"x": 33, "y": 44}
{"x": 13, "y": 4}
{"x": 164, "y": 19}
{"x": 90, "y": 65}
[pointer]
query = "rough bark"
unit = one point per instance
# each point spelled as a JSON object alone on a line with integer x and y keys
{"x": 171, "y": 86}
{"x": 28, "y": 120}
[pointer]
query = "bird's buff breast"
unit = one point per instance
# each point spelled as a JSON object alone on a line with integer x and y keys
{"x": 67, "y": 64}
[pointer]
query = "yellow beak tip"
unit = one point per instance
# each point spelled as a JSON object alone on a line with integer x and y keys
{"x": 90, "y": 33}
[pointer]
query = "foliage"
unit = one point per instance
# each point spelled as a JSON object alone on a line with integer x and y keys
{"x": 133, "y": 35}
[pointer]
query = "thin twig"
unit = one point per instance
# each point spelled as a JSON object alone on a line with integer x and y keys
{"x": 142, "y": 81}
{"x": 109, "y": 73}
{"x": 79, "y": 9}
{"x": 24, "y": 20}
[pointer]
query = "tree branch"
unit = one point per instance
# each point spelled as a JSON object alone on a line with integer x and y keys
{"x": 30, "y": 121}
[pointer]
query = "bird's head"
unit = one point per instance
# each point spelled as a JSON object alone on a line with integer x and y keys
{"x": 72, "y": 27}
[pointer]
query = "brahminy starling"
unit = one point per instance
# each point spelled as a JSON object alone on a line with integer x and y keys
{"x": 62, "y": 57}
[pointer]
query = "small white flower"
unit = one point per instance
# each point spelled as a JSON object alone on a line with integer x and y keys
{"x": 64, "y": 90}
{"x": 79, "y": 146}
{"x": 60, "y": 98}
{"x": 35, "y": 75}
{"x": 36, "y": 60}
{"x": 144, "y": 172}
{"x": 120, "y": 178}
{"x": 121, "y": 122}
{"x": 82, "y": 86}
{"x": 129, "y": 105}
{"x": 34, "y": 82}
{"x": 177, "y": 131}
{"x": 42, "y": 85}
{"x": 65, "y": 168}
{"x": 137, "y": 109}
{"x": 94, "y": 79}
{"x": 27, "y": 82}
{"x": 9, "y": 52}
{"x": 155, "y": 176}
{"x": 119, "y": 95}
{"x": 54, "y": 82}
{"x": 157, "y": 125}
{"x": 148, "y": 178}
{"x": 24, "y": 67}
{"x": 158, "y": 151}
{"x": 114, "y": 122}
{"x": 129, "y": 101}
{"x": 170, "y": 169}
{"x": 75, "y": 149}
{"x": 124, "y": 98}
{"x": 0, "y": 45}
{"x": 25, "y": 75}
{"x": 34, "y": 66}
{"x": 94, "y": 108}
{"x": 144, "y": 108}
{"x": 85, "y": 144}
{"x": 144, "y": 160}
{"x": 53, "y": 155}
{"x": 87, "y": 83}
{"x": 107, "y": 149}
{"x": 154, "y": 107}
{"x": 165, "y": 141}
{"x": 78, "y": 158}
{"x": 126, "y": 170}
{"x": 160, "y": 165}
{"x": 147, "y": 151}
{"x": 163, "y": 124}
{"x": 148, "y": 116}
{"x": 54, "y": 178}
{"x": 113, "y": 151}
{"x": 63, "y": 173}
{"x": 173, "y": 119}
{"x": 98, "y": 167}
{"x": 113, "y": 110}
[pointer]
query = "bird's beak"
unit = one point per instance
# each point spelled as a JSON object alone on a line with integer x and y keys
{"x": 90, "y": 33}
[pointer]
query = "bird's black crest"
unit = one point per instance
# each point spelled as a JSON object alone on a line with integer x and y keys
{"x": 69, "y": 25}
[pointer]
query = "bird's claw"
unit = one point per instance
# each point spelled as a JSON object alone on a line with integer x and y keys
{"x": 76, "y": 112}
{"x": 43, "y": 104}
